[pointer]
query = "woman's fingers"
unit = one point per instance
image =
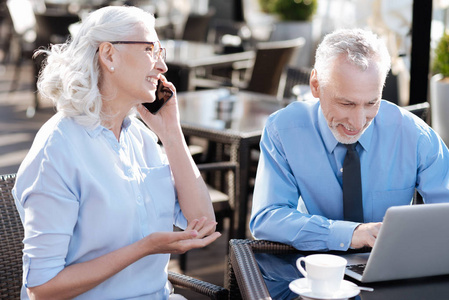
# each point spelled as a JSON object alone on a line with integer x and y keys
{"x": 180, "y": 242}
{"x": 199, "y": 233}
{"x": 200, "y": 223}
{"x": 207, "y": 228}
{"x": 193, "y": 243}
{"x": 192, "y": 224}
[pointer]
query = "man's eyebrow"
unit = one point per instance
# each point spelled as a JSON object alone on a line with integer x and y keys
{"x": 346, "y": 100}
{"x": 376, "y": 99}
{"x": 340, "y": 98}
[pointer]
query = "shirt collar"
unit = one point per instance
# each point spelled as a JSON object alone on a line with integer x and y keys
{"x": 331, "y": 142}
{"x": 96, "y": 130}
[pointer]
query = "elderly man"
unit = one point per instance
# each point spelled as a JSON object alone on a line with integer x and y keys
{"x": 329, "y": 169}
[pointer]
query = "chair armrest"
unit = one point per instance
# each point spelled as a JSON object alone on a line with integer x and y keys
{"x": 217, "y": 166}
{"x": 205, "y": 288}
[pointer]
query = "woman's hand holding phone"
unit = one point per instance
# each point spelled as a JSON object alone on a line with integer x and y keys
{"x": 162, "y": 119}
{"x": 163, "y": 94}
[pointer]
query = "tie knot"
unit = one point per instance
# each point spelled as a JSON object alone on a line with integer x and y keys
{"x": 351, "y": 147}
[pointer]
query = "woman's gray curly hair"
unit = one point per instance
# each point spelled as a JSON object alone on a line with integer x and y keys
{"x": 360, "y": 47}
{"x": 71, "y": 73}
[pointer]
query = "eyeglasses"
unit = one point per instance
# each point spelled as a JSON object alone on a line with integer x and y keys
{"x": 155, "y": 49}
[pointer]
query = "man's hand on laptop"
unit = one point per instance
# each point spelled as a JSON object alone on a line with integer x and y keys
{"x": 365, "y": 235}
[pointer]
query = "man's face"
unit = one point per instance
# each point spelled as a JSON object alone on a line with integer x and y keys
{"x": 350, "y": 100}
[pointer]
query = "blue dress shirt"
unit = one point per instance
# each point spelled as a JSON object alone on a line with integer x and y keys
{"x": 82, "y": 194}
{"x": 298, "y": 191}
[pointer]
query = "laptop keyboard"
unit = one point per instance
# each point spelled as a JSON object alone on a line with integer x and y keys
{"x": 359, "y": 268}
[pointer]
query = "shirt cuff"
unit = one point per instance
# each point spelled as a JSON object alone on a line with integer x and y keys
{"x": 341, "y": 235}
{"x": 39, "y": 271}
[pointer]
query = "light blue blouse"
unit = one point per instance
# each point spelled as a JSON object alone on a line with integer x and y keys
{"x": 81, "y": 194}
{"x": 298, "y": 194}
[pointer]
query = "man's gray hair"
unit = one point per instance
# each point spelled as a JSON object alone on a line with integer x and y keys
{"x": 360, "y": 47}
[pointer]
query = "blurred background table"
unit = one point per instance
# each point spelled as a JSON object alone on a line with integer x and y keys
{"x": 231, "y": 118}
{"x": 185, "y": 58}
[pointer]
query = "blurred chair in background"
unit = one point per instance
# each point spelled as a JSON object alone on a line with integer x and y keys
{"x": 197, "y": 26}
{"x": 227, "y": 37}
{"x": 51, "y": 28}
{"x": 230, "y": 35}
{"x": 23, "y": 35}
{"x": 271, "y": 59}
{"x": 5, "y": 32}
{"x": 261, "y": 75}
{"x": 33, "y": 30}
{"x": 291, "y": 80}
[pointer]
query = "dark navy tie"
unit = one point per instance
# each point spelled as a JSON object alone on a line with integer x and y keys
{"x": 352, "y": 186}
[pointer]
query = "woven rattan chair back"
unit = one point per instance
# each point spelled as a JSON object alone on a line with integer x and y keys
{"x": 11, "y": 236}
{"x": 272, "y": 58}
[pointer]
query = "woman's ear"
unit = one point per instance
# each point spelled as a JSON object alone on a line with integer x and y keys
{"x": 314, "y": 84}
{"x": 107, "y": 56}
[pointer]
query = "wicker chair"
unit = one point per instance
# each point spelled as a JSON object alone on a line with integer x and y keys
{"x": 271, "y": 58}
{"x": 242, "y": 253}
{"x": 11, "y": 236}
{"x": 197, "y": 26}
{"x": 292, "y": 77}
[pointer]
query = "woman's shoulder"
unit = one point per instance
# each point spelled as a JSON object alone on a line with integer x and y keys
{"x": 59, "y": 129}
{"x": 51, "y": 145}
{"x": 54, "y": 128}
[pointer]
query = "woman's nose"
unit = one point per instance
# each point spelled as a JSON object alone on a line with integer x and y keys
{"x": 161, "y": 66}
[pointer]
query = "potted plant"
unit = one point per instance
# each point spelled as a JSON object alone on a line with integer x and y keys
{"x": 295, "y": 10}
{"x": 295, "y": 19}
{"x": 440, "y": 88}
{"x": 290, "y": 10}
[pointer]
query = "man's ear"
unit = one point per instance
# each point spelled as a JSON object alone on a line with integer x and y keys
{"x": 106, "y": 55}
{"x": 314, "y": 84}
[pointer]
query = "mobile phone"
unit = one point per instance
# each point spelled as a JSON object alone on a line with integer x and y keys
{"x": 163, "y": 94}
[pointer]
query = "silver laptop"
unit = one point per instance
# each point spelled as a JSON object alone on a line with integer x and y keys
{"x": 412, "y": 242}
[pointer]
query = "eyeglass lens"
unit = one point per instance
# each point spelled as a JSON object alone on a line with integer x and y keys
{"x": 156, "y": 50}
{"x": 159, "y": 52}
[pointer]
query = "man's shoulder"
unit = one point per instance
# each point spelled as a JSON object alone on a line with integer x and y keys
{"x": 394, "y": 120}
{"x": 390, "y": 114}
{"x": 299, "y": 113}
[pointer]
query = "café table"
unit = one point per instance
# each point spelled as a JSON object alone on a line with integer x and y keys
{"x": 234, "y": 118}
{"x": 184, "y": 58}
{"x": 263, "y": 270}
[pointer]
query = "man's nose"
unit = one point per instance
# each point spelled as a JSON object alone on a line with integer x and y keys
{"x": 358, "y": 118}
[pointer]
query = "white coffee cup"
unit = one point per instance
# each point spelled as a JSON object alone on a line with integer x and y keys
{"x": 324, "y": 273}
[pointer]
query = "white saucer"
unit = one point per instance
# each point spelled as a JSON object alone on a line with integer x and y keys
{"x": 347, "y": 290}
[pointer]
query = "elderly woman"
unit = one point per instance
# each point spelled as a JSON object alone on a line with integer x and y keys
{"x": 97, "y": 196}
